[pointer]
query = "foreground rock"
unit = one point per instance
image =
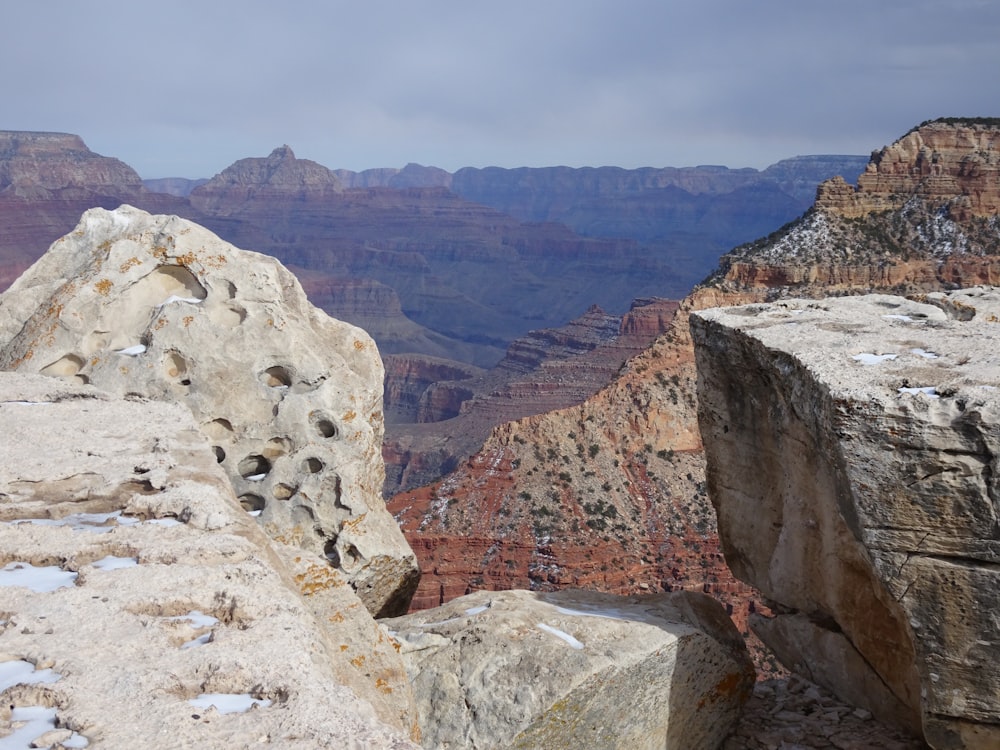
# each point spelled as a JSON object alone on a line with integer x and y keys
{"x": 572, "y": 669}
{"x": 290, "y": 398}
{"x": 136, "y": 593}
{"x": 851, "y": 448}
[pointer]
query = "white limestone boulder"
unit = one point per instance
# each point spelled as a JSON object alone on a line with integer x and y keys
{"x": 290, "y": 398}
{"x": 852, "y": 449}
{"x": 575, "y": 669}
{"x": 136, "y": 593}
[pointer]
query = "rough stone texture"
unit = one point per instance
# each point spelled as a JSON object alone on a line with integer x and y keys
{"x": 290, "y": 398}
{"x": 86, "y": 476}
{"x": 937, "y": 160}
{"x": 867, "y": 512}
{"x": 795, "y": 714}
{"x": 573, "y": 669}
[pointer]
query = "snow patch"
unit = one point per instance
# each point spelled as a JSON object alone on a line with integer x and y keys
{"x": 19, "y": 672}
{"x": 41, "y": 579}
{"x": 229, "y": 703}
{"x": 924, "y": 353}
{"x": 903, "y": 318}
{"x": 197, "y": 619}
{"x": 873, "y": 359}
{"x": 115, "y": 563}
{"x": 927, "y": 390}
{"x": 132, "y": 351}
{"x": 201, "y": 640}
{"x": 560, "y": 634}
{"x": 174, "y": 298}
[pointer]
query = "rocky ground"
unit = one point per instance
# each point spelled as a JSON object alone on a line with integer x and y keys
{"x": 793, "y": 714}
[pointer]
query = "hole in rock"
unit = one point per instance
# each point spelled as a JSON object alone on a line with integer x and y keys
{"x": 220, "y": 454}
{"x": 312, "y": 465}
{"x": 252, "y": 504}
{"x": 277, "y": 446}
{"x": 325, "y": 426}
{"x": 284, "y": 491}
{"x": 64, "y": 367}
{"x": 227, "y": 316}
{"x": 165, "y": 281}
{"x": 175, "y": 367}
{"x": 331, "y": 553}
{"x": 254, "y": 465}
{"x": 218, "y": 429}
{"x": 276, "y": 377}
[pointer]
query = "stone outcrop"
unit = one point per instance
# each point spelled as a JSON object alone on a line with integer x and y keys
{"x": 39, "y": 165}
{"x": 136, "y": 593}
{"x": 276, "y": 179}
{"x": 574, "y": 669}
{"x": 290, "y": 398}
{"x": 852, "y": 459}
{"x": 937, "y": 161}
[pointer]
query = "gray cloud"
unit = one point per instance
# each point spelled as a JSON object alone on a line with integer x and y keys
{"x": 185, "y": 88}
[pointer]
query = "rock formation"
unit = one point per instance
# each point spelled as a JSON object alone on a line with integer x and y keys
{"x": 575, "y": 669}
{"x": 136, "y": 594}
{"x": 938, "y": 161}
{"x": 486, "y": 525}
{"x": 852, "y": 459}
{"x": 290, "y": 398}
{"x": 46, "y": 181}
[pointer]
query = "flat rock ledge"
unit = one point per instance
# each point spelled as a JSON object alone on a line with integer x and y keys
{"x": 852, "y": 448}
{"x": 141, "y": 606}
{"x": 575, "y": 669}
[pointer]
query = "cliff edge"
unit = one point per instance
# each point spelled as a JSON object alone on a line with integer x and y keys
{"x": 851, "y": 449}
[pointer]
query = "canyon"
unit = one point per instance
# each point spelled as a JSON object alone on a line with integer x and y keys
{"x": 195, "y": 548}
{"x": 611, "y": 493}
{"x": 600, "y": 484}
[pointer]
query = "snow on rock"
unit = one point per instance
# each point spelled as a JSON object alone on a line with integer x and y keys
{"x": 290, "y": 398}
{"x": 215, "y": 607}
{"x": 863, "y": 500}
{"x": 553, "y": 670}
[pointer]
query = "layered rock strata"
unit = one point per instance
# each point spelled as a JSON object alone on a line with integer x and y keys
{"x": 852, "y": 447}
{"x": 290, "y": 398}
{"x": 936, "y": 161}
{"x": 575, "y": 669}
{"x": 141, "y": 606}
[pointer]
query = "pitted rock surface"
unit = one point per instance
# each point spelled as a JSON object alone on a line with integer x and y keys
{"x": 572, "y": 669}
{"x": 132, "y": 583}
{"x": 290, "y": 398}
{"x": 852, "y": 448}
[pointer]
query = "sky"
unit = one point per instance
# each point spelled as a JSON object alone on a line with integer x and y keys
{"x": 184, "y": 88}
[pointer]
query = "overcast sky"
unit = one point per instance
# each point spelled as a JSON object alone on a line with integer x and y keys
{"x": 186, "y": 87}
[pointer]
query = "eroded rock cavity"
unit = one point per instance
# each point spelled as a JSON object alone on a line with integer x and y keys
{"x": 289, "y": 398}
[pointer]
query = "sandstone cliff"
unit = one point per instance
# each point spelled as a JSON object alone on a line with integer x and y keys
{"x": 851, "y": 447}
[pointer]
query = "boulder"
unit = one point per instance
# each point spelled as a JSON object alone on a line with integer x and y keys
{"x": 136, "y": 594}
{"x": 290, "y": 398}
{"x": 571, "y": 669}
{"x": 851, "y": 447}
